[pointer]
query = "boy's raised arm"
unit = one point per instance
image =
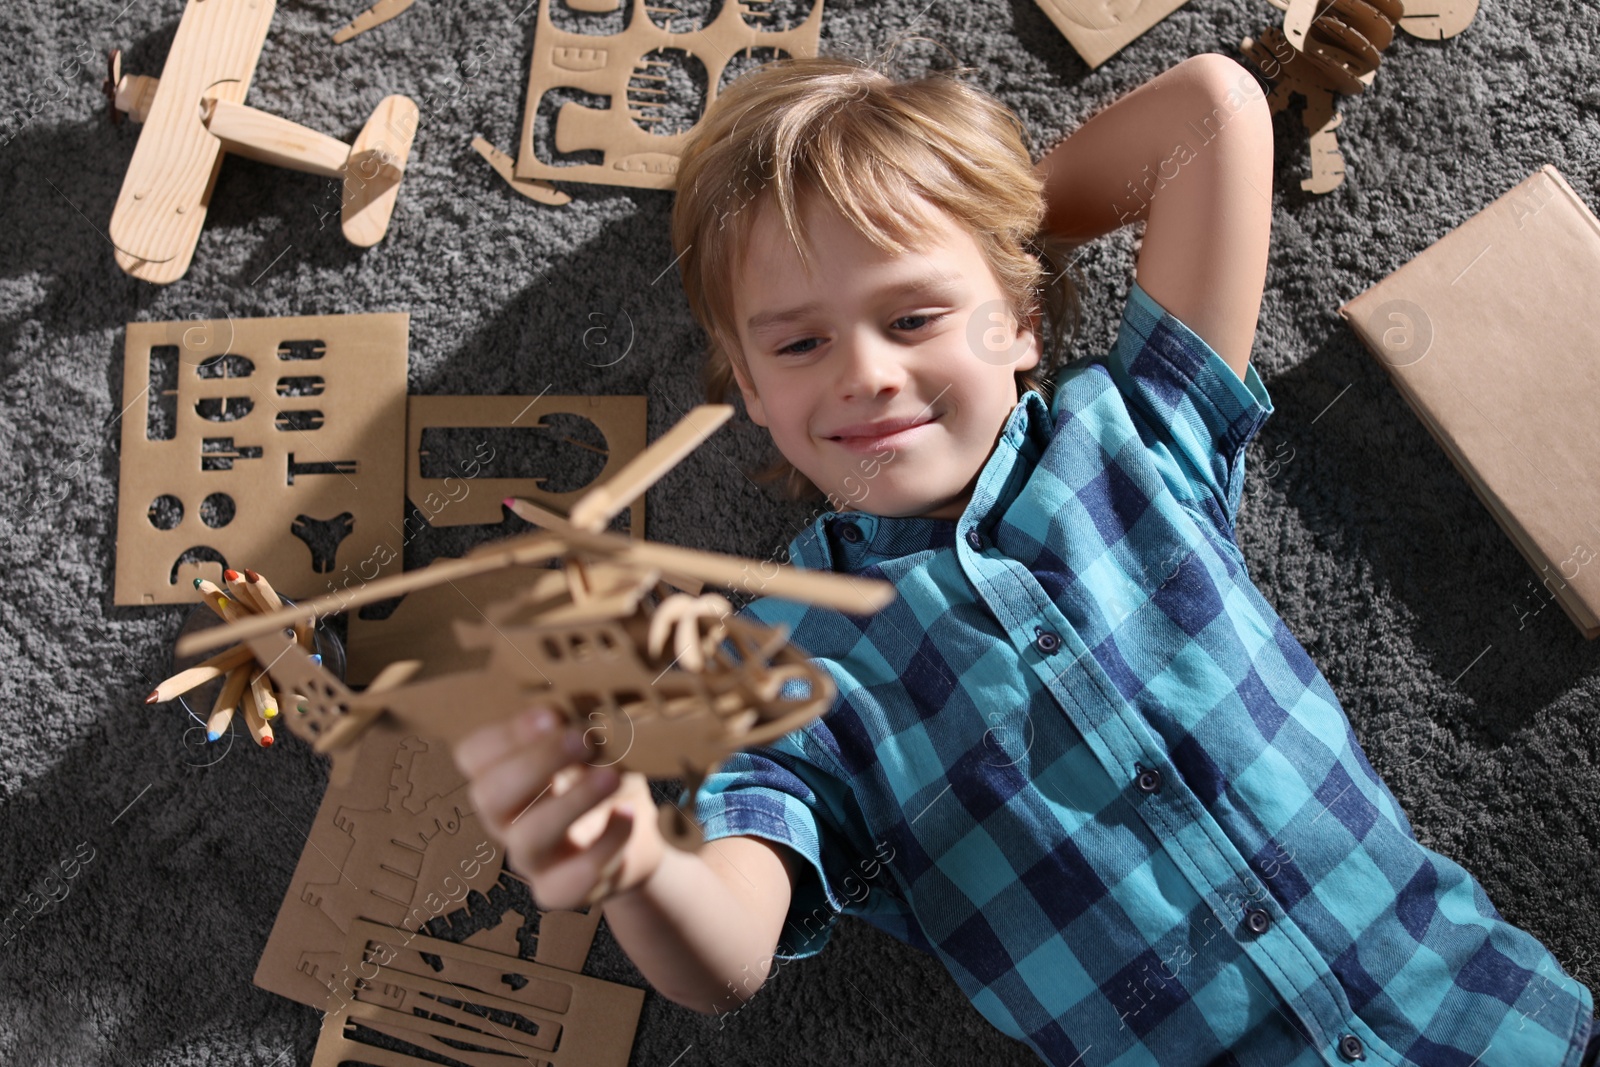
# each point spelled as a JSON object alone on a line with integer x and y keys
{"x": 1190, "y": 152}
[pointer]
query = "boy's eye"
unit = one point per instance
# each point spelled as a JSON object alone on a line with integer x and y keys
{"x": 908, "y": 323}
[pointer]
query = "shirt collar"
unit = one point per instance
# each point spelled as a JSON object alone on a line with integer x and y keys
{"x": 851, "y": 541}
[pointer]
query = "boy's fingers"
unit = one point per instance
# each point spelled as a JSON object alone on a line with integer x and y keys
{"x": 480, "y": 748}
{"x": 606, "y": 855}
{"x": 485, "y": 745}
{"x": 502, "y": 791}
{"x": 587, "y": 876}
{"x": 538, "y": 836}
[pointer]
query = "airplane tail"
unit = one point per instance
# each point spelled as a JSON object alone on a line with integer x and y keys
{"x": 372, "y": 173}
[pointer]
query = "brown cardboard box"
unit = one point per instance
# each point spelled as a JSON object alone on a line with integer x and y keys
{"x": 1492, "y": 338}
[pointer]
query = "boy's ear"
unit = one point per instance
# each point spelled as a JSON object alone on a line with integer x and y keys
{"x": 1028, "y": 333}
{"x": 752, "y": 402}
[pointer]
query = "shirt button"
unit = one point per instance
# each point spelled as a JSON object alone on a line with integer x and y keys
{"x": 975, "y": 539}
{"x": 1149, "y": 780}
{"x": 1258, "y": 920}
{"x": 1350, "y": 1047}
{"x": 850, "y": 532}
{"x": 1047, "y": 642}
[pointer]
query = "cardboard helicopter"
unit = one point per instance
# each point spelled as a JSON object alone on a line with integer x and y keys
{"x": 669, "y": 691}
{"x": 196, "y": 111}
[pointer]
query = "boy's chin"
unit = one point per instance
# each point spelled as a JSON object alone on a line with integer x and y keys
{"x": 901, "y": 505}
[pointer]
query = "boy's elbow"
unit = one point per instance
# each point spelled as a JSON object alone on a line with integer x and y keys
{"x": 727, "y": 1002}
{"x": 1214, "y": 74}
{"x": 1231, "y": 97}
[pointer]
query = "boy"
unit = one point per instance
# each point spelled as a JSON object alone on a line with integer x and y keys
{"x": 1080, "y": 759}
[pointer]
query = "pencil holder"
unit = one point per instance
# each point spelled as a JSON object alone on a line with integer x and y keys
{"x": 197, "y": 702}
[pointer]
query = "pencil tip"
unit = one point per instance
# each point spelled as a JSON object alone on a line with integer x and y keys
{"x": 316, "y": 657}
{"x": 507, "y": 501}
{"x": 252, "y": 576}
{"x": 198, "y": 582}
{"x": 212, "y": 736}
{"x": 231, "y": 574}
{"x": 154, "y": 694}
{"x": 266, "y": 740}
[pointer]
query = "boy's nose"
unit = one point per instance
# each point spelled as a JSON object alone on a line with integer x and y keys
{"x": 869, "y": 367}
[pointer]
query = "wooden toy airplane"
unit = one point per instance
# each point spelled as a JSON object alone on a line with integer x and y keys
{"x": 663, "y": 693}
{"x": 195, "y": 112}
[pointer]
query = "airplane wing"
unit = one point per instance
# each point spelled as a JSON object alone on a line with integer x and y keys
{"x": 162, "y": 207}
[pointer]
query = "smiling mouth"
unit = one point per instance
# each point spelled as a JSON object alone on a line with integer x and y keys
{"x": 866, "y": 439}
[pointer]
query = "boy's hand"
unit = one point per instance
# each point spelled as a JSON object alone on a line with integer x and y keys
{"x": 566, "y": 824}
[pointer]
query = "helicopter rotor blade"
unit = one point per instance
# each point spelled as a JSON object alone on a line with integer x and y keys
{"x": 604, "y": 502}
{"x": 585, "y": 531}
{"x": 528, "y": 511}
{"x": 841, "y": 592}
{"x": 531, "y": 512}
{"x": 518, "y": 551}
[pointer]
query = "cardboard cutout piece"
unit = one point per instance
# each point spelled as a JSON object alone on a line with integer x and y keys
{"x": 420, "y": 625}
{"x": 269, "y": 442}
{"x": 473, "y": 1006}
{"x": 609, "y": 65}
{"x": 1435, "y": 20}
{"x": 621, "y": 419}
{"x": 398, "y": 844}
{"x": 1329, "y": 47}
{"x": 1429, "y": 19}
{"x": 1099, "y": 29}
{"x": 542, "y": 192}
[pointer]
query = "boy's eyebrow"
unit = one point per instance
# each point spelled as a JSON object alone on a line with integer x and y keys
{"x": 931, "y": 284}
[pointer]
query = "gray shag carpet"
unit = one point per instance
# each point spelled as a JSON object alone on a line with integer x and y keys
{"x": 1479, "y": 714}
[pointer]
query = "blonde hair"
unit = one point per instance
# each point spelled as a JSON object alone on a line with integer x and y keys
{"x": 869, "y": 143}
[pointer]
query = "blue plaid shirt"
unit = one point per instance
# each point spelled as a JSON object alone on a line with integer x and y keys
{"x": 1083, "y": 762}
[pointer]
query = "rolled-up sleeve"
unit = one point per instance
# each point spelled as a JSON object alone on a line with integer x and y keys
{"x": 1192, "y": 400}
{"x": 779, "y": 793}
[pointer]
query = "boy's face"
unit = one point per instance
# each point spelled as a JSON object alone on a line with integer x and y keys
{"x": 889, "y": 382}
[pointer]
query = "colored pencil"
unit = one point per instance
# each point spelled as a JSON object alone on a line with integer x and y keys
{"x": 239, "y": 592}
{"x": 246, "y": 689}
{"x": 261, "y": 694}
{"x": 263, "y": 588}
{"x": 208, "y": 591}
{"x": 261, "y": 592}
{"x": 227, "y": 700}
{"x": 217, "y": 723}
{"x": 228, "y": 609}
{"x": 199, "y": 674}
{"x": 260, "y": 729}
{"x": 271, "y": 601}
